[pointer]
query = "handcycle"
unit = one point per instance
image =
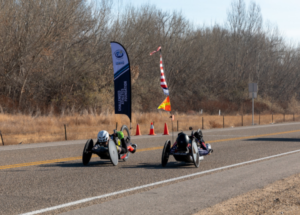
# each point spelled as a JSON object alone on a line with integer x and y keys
{"x": 110, "y": 152}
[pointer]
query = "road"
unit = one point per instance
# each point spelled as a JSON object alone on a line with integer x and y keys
{"x": 48, "y": 177}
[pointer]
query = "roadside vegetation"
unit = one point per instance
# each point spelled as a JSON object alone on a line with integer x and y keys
{"x": 56, "y": 68}
{"x": 55, "y": 58}
{"x": 280, "y": 197}
{"x": 18, "y": 128}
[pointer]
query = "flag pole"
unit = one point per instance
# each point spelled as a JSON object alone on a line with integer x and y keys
{"x": 169, "y": 97}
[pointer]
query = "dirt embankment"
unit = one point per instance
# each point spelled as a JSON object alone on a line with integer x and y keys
{"x": 281, "y": 197}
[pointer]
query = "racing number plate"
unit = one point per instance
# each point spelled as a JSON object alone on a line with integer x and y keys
{"x": 113, "y": 153}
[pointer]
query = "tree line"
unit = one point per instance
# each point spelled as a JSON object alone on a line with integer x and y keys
{"x": 55, "y": 57}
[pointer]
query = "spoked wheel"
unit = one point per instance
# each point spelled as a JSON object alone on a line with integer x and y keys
{"x": 127, "y": 139}
{"x": 165, "y": 153}
{"x": 87, "y": 152}
{"x": 195, "y": 154}
{"x": 126, "y": 133}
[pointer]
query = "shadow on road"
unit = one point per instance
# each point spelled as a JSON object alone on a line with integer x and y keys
{"x": 276, "y": 139}
{"x": 105, "y": 163}
{"x": 170, "y": 165}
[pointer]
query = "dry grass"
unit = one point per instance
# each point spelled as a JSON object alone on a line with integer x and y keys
{"x": 31, "y": 129}
{"x": 280, "y": 197}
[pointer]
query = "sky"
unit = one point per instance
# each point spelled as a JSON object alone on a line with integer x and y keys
{"x": 281, "y": 13}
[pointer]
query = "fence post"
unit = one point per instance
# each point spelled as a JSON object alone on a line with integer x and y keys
{"x": 177, "y": 125}
{"x": 202, "y": 123}
{"x": 293, "y": 116}
{"x": 1, "y": 138}
{"x": 65, "y": 132}
{"x": 272, "y": 117}
{"x": 223, "y": 121}
{"x": 242, "y": 120}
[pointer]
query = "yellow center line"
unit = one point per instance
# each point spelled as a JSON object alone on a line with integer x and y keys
{"x": 138, "y": 150}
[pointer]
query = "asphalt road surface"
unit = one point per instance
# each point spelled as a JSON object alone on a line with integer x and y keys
{"x": 50, "y": 177}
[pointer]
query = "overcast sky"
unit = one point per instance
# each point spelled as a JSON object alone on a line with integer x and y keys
{"x": 282, "y": 13}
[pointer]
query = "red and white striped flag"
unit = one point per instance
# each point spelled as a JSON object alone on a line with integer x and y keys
{"x": 155, "y": 51}
{"x": 163, "y": 82}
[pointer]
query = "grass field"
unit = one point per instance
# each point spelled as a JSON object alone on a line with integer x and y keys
{"x": 30, "y": 129}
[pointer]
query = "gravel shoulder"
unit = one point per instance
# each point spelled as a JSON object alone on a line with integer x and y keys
{"x": 280, "y": 197}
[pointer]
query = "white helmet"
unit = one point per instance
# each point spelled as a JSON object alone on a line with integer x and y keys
{"x": 102, "y": 136}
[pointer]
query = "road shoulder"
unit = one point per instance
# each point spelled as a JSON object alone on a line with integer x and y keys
{"x": 191, "y": 196}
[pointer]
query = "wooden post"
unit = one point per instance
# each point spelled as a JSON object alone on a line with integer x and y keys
{"x": 293, "y": 116}
{"x": 272, "y": 117}
{"x": 242, "y": 120}
{"x": 259, "y": 119}
{"x": 223, "y": 121}
{"x": 177, "y": 125}
{"x": 1, "y": 138}
{"x": 65, "y": 132}
{"x": 202, "y": 123}
{"x": 116, "y": 125}
{"x": 284, "y": 117}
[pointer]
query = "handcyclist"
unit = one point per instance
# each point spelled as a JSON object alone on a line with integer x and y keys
{"x": 203, "y": 149}
{"x": 103, "y": 137}
{"x": 184, "y": 141}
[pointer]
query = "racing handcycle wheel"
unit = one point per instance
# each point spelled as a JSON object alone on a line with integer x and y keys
{"x": 113, "y": 152}
{"x": 195, "y": 154}
{"x": 127, "y": 139}
{"x": 87, "y": 152}
{"x": 165, "y": 153}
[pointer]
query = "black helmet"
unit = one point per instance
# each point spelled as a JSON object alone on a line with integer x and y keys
{"x": 198, "y": 134}
{"x": 182, "y": 140}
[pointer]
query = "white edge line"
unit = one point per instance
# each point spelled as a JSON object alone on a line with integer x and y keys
{"x": 152, "y": 184}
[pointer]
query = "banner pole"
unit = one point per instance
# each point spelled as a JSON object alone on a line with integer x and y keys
{"x": 130, "y": 128}
{"x": 160, "y": 53}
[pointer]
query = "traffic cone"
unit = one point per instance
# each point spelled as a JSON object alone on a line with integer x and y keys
{"x": 152, "y": 129}
{"x": 166, "y": 132}
{"x": 138, "y": 132}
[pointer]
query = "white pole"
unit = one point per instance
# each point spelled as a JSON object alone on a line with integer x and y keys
{"x": 252, "y": 108}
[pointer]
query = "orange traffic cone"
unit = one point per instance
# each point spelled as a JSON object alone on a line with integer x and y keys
{"x": 138, "y": 132}
{"x": 166, "y": 132}
{"x": 152, "y": 129}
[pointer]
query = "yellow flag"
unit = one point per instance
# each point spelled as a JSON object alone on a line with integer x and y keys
{"x": 166, "y": 105}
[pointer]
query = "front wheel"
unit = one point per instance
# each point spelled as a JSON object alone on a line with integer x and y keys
{"x": 87, "y": 152}
{"x": 195, "y": 154}
{"x": 165, "y": 153}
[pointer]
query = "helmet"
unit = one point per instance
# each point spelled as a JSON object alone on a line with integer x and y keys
{"x": 182, "y": 140}
{"x": 102, "y": 136}
{"x": 198, "y": 134}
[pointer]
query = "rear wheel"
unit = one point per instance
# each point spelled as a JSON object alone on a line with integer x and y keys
{"x": 126, "y": 133}
{"x": 87, "y": 152}
{"x": 127, "y": 139}
{"x": 165, "y": 153}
